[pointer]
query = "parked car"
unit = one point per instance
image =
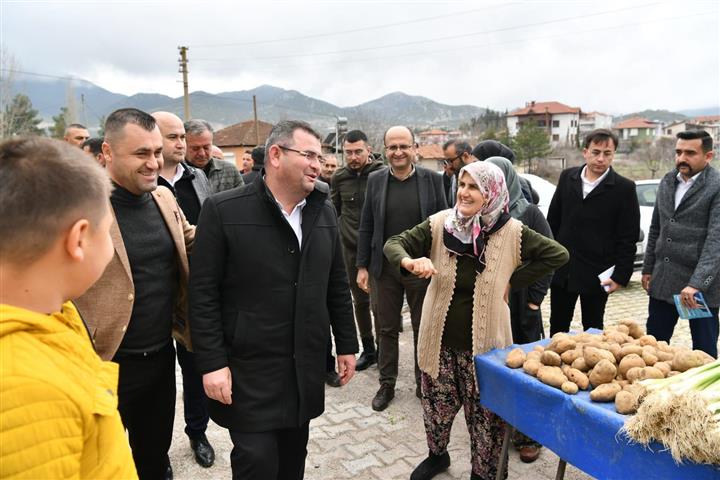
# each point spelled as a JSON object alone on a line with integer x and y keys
{"x": 545, "y": 190}
{"x": 646, "y": 193}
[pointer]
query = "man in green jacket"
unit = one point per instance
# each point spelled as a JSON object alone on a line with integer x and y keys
{"x": 347, "y": 190}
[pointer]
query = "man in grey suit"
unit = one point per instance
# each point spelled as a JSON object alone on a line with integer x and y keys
{"x": 397, "y": 198}
{"x": 683, "y": 250}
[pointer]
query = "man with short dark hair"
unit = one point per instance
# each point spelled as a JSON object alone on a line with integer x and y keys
{"x": 458, "y": 154}
{"x": 267, "y": 284}
{"x": 246, "y": 162}
{"x": 347, "y": 190}
{"x": 191, "y": 188}
{"x": 76, "y": 134}
{"x": 397, "y": 198}
{"x": 258, "y": 158}
{"x": 140, "y": 302}
{"x": 221, "y": 174}
{"x": 683, "y": 249}
{"x": 594, "y": 213}
{"x": 93, "y": 146}
{"x": 328, "y": 167}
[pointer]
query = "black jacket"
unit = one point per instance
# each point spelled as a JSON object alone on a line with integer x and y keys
{"x": 348, "y": 195}
{"x": 263, "y": 306}
{"x": 599, "y": 231}
{"x": 372, "y": 222}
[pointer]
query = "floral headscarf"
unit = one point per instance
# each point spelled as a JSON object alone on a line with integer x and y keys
{"x": 468, "y": 235}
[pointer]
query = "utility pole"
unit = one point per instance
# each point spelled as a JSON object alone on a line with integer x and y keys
{"x": 184, "y": 70}
{"x": 82, "y": 107}
{"x": 257, "y": 131}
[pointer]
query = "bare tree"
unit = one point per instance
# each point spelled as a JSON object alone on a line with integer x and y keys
{"x": 8, "y": 67}
{"x": 656, "y": 156}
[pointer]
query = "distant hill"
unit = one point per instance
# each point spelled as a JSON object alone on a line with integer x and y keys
{"x": 697, "y": 112}
{"x": 664, "y": 116}
{"x": 226, "y": 108}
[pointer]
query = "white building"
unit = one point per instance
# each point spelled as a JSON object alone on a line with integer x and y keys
{"x": 560, "y": 121}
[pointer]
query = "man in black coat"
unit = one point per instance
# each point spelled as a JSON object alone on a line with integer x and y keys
{"x": 595, "y": 215}
{"x": 396, "y": 199}
{"x": 267, "y": 283}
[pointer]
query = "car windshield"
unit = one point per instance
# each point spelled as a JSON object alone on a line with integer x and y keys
{"x": 646, "y": 194}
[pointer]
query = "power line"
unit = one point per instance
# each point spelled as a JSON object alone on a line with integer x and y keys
{"x": 349, "y": 31}
{"x": 417, "y": 42}
{"x": 474, "y": 46}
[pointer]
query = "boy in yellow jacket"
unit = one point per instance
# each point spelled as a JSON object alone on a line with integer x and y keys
{"x": 58, "y": 399}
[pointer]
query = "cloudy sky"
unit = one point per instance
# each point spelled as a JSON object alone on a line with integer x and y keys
{"x": 610, "y": 56}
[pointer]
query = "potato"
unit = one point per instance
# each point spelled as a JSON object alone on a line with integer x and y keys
{"x": 578, "y": 378}
{"x": 580, "y": 364}
{"x": 552, "y": 376}
{"x": 627, "y": 349}
{"x": 664, "y": 367}
{"x": 623, "y": 328}
{"x": 684, "y": 361}
{"x": 616, "y": 337}
{"x": 569, "y": 387}
{"x": 592, "y": 356}
{"x": 515, "y": 358}
{"x": 622, "y": 382}
{"x": 708, "y": 357}
{"x": 649, "y": 359}
{"x": 664, "y": 356}
{"x": 565, "y": 368}
{"x": 615, "y": 349}
{"x": 663, "y": 346}
{"x": 531, "y": 366}
{"x": 569, "y": 356}
{"x": 628, "y": 362}
{"x": 635, "y": 330}
{"x": 539, "y": 348}
{"x": 605, "y": 392}
{"x": 550, "y": 359}
{"x": 633, "y": 374}
{"x": 534, "y": 355}
{"x": 649, "y": 349}
{"x": 626, "y": 403}
{"x": 650, "y": 372}
{"x": 603, "y": 372}
{"x": 561, "y": 344}
{"x": 648, "y": 340}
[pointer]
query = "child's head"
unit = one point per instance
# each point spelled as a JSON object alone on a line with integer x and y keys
{"x": 55, "y": 207}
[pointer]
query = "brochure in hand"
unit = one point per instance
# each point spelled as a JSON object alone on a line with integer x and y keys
{"x": 686, "y": 313}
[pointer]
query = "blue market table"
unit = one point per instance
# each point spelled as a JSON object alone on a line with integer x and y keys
{"x": 579, "y": 431}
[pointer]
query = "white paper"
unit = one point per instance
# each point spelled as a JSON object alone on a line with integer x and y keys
{"x": 606, "y": 276}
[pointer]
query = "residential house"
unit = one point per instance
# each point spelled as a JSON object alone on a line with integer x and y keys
{"x": 240, "y": 138}
{"x": 590, "y": 121}
{"x": 431, "y": 156}
{"x": 560, "y": 121}
{"x": 709, "y": 123}
{"x": 433, "y": 136}
{"x": 638, "y": 128}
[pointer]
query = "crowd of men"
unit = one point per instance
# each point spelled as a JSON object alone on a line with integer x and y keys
{"x": 249, "y": 278}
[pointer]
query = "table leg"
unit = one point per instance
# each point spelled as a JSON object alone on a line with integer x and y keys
{"x": 509, "y": 429}
{"x": 561, "y": 470}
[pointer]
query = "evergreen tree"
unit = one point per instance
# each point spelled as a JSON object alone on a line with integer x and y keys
{"x": 60, "y": 123}
{"x": 20, "y": 118}
{"x": 530, "y": 142}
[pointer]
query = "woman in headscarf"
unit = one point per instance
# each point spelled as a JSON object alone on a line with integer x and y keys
{"x": 472, "y": 253}
{"x": 525, "y": 315}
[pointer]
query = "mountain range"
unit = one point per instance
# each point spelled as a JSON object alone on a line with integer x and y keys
{"x": 92, "y": 103}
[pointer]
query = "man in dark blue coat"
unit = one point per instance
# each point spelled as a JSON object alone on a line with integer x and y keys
{"x": 267, "y": 284}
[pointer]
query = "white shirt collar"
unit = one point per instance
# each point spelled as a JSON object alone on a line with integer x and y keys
{"x": 589, "y": 186}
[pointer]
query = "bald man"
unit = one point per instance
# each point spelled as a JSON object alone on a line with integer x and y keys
{"x": 191, "y": 188}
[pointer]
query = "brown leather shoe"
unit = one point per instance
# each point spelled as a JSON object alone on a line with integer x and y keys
{"x": 529, "y": 453}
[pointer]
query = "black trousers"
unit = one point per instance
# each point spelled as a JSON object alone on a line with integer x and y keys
{"x": 146, "y": 401}
{"x": 194, "y": 399}
{"x": 662, "y": 317}
{"x": 329, "y": 357}
{"x": 273, "y": 455}
{"x": 562, "y": 306}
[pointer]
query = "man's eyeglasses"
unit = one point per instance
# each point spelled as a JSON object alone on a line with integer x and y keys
{"x": 311, "y": 156}
{"x": 448, "y": 161}
{"x": 395, "y": 148}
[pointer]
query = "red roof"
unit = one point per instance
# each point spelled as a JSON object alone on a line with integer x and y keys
{"x": 430, "y": 151}
{"x": 539, "y": 108}
{"x": 635, "y": 122}
{"x": 434, "y": 131}
{"x": 242, "y": 134}
{"x": 707, "y": 119}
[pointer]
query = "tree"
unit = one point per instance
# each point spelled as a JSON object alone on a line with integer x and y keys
{"x": 19, "y": 118}
{"x": 658, "y": 155}
{"x": 530, "y": 142}
{"x": 60, "y": 123}
{"x": 101, "y": 129}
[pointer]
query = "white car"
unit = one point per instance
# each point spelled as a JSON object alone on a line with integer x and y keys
{"x": 646, "y": 193}
{"x": 545, "y": 190}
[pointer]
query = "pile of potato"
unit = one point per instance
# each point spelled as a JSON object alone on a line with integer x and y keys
{"x": 608, "y": 364}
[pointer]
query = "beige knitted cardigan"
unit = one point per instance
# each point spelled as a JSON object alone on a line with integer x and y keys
{"x": 491, "y": 315}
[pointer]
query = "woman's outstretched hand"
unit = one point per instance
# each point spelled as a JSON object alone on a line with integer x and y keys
{"x": 421, "y": 267}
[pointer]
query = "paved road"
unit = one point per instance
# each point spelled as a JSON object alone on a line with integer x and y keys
{"x": 350, "y": 440}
